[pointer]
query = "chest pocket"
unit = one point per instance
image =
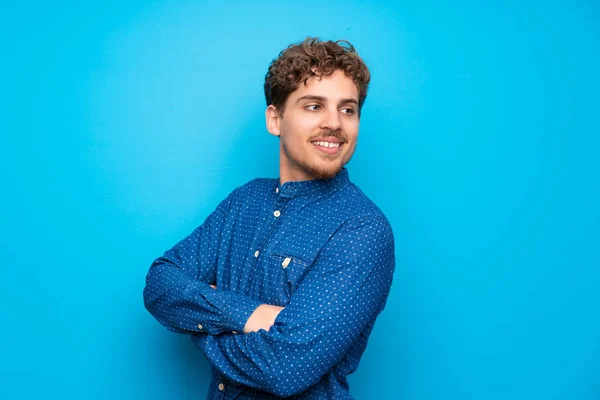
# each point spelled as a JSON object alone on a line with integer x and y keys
{"x": 293, "y": 270}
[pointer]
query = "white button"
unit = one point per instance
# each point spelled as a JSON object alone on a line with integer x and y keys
{"x": 221, "y": 386}
{"x": 286, "y": 262}
{"x": 234, "y": 332}
{"x": 276, "y": 190}
{"x": 277, "y": 213}
{"x": 199, "y": 326}
{"x": 256, "y": 253}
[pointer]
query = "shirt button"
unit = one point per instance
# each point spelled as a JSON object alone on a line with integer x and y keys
{"x": 276, "y": 190}
{"x": 277, "y": 213}
{"x": 221, "y": 386}
{"x": 256, "y": 253}
{"x": 199, "y": 326}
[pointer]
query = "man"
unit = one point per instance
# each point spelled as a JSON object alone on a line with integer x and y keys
{"x": 281, "y": 285}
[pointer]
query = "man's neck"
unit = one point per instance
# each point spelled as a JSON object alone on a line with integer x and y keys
{"x": 289, "y": 174}
{"x": 286, "y": 177}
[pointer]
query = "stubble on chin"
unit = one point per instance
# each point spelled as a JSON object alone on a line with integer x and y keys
{"x": 327, "y": 171}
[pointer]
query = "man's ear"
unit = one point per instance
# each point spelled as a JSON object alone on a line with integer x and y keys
{"x": 273, "y": 120}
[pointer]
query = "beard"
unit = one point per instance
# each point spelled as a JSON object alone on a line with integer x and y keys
{"x": 322, "y": 170}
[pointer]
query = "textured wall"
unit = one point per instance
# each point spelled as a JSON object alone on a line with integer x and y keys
{"x": 124, "y": 123}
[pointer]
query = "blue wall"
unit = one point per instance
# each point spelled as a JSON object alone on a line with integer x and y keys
{"x": 124, "y": 123}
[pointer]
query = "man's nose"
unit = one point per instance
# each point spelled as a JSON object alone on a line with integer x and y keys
{"x": 331, "y": 120}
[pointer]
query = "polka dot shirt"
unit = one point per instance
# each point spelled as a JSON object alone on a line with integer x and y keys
{"x": 319, "y": 248}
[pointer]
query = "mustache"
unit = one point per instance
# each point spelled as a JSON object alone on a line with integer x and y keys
{"x": 337, "y": 133}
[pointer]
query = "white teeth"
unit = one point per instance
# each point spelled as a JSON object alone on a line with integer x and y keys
{"x": 327, "y": 144}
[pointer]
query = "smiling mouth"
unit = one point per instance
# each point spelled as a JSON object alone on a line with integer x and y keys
{"x": 329, "y": 145}
{"x": 331, "y": 149}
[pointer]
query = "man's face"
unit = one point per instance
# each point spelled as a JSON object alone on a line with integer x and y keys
{"x": 318, "y": 130}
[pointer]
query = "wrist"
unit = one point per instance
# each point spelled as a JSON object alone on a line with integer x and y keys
{"x": 262, "y": 318}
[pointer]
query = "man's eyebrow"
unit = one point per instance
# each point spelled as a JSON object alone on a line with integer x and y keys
{"x": 323, "y": 99}
{"x": 345, "y": 101}
{"x": 310, "y": 97}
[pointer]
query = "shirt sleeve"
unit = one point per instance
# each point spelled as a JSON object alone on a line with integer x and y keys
{"x": 345, "y": 290}
{"x": 178, "y": 292}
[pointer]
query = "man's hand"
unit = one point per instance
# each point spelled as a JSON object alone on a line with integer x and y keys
{"x": 262, "y": 318}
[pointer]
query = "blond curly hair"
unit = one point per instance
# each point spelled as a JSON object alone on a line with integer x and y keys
{"x": 313, "y": 57}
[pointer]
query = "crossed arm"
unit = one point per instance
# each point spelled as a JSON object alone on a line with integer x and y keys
{"x": 286, "y": 350}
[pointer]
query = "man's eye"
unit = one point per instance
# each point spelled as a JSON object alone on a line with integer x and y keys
{"x": 313, "y": 107}
{"x": 348, "y": 111}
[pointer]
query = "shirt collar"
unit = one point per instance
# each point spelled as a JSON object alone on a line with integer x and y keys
{"x": 313, "y": 186}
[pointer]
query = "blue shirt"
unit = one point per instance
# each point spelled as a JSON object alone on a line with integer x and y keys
{"x": 320, "y": 248}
